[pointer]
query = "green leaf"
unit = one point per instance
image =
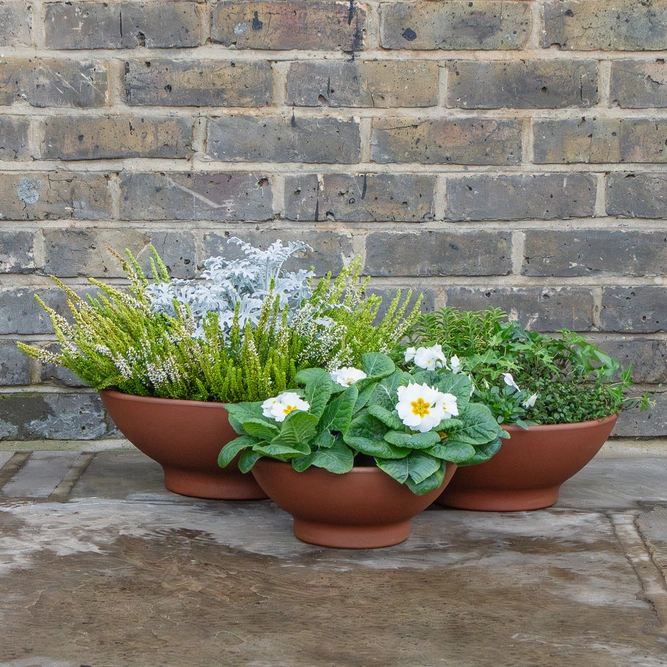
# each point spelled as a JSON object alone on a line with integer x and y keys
{"x": 484, "y": 453}
{"x": 260, "y": 429}
{"x": 385, "y": 392}
{"x": 248, "y": 460}
{"x": 338, "y": 459}
{"x": 231, "y": 449}
{"x": 297, "y": 430}
{"x": 377, "y": 365}
{"x": 426, "y": 377}
{"x": 319, "y": 388}
{"x": 421, "y": 466}
{"x": 386, "y": 417}
{"x": 366, "y": 388}
{"x": 324, "y": 440}
{"x": 412, "y": 440}
{"x": 459, "y": 385}
{"x": 456, "y": 452}
{"x": 366, "y": 436}
{"x": 308, "y": 375}
{"x": 338, "y": 414}
{"x": 431, "y": 483}
{"x": 282, "y": 452}
{"x": 479, "y": 426}
{"x": 241, "y": 412}
{"x": 398, "y": 470}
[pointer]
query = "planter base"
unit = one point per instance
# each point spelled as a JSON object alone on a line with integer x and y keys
{"x": 212, "y": 486}
{"x": 502, "y": 500}
{"x": 351, "y": 537}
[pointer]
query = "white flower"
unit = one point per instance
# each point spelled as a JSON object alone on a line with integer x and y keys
{"x": 509, "y": 381}
{"x": 430, "y": 358}
{"x": 448, "y": 404}
{"x": 279, "y": 407}
{"x": 420, "y": 406}
{"x": 347, "y": 376}
{"x": 410, "y": 354}
{"x": 455, "y": 364}
{"x": 529, "y": 402}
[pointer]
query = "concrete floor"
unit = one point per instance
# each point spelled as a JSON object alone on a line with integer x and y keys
{"x": 101, "y": 566}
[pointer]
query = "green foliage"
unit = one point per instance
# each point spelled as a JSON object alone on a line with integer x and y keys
{"x": 331, "y": 436}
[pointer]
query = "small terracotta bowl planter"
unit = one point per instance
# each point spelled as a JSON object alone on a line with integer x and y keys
{"x": 527, "y": 472}
{"x": 185, "y": 438}
{"x": 361, "y": 509}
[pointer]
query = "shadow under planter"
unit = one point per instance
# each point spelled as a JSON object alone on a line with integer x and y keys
{"x": 529, "y": 469}
{"x": 185, "y": 438}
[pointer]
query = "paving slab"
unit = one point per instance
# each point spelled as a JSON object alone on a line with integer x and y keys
{"x": 4, "y": 457}
{"x": 39, "y": 477}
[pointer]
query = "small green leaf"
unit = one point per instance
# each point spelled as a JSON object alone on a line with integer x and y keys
{"x": 260, "y": 429}
{"x": 431, "y": 483}
{"x": 319, "y": 388}
{"x": 324, "y": 440}
{"x": 338, "y": 414}
{"x": 366, "y": 436}
{"x": 241, "y": 412}
{"x": 456, "y": 452}
{"x": 338, "y": 459}
{"x": 412, "y": 440}
{"x": 366, "y": 389}
{"x": 248, "y": 460}
{"x": 388, "y": 418}
{"x": 231, "y": 449}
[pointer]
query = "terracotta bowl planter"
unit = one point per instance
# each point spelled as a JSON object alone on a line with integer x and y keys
{"x": 362, "y": 509}
{"x": 185, "y": 438}
{"x": 527, "y": 472}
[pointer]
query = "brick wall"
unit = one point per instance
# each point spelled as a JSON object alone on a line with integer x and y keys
{"x": 504, "y": 153}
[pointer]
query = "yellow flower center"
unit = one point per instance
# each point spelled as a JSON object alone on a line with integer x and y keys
{"x": 420, "y": 407}
{"x": 289, "y": 408}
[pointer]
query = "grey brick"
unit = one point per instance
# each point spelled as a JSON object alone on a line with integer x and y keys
{"x": 197, "y": 83}
{"x": 100, "y": 25}
{"x": 53, "y": 82}
{"x": 517, "y": 197}
{"x": 594, "y": 251}
{"x": 359, "y": 198}
{"x": 279, "y": 139}
{"x": 454, "y": 25}
{"x": 91, "y": 138}
{"x": 201, "y": 196}
{"x": 53, "y": 195}
{"x": 14, "y": 138}
{"x": 522, "y": 84}
{"x": 380, "y": 84}
{"x": 85, "y": 252}
{"x": 14, "y": 365}
{"x": 15, "y": 23}
{"x": 71, "y": 416}
{"x": 600, "y": 140}
{"x": 537, "y": 308}
{"x": 633, "y": 424}
{"x": 59, "y": 376}
{"x": 611, "y": 25}
{"x": 637, "y": 195}
{"x": 330, "y": 248}
{"x": 461, "y": 141}
{"x": 633, "y": 309}
{"x": 648, "y": 357}
{"x": 309, "y": 24}
{"x": 638, "y": 84}
{"x": 17, "y": 252}
{"x": 436, "y": 253}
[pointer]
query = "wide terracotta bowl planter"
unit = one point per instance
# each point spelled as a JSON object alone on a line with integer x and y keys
{"x": 361, "y": 509}
{"x": 185, "y": 438}
{"x": 527, "y": 472}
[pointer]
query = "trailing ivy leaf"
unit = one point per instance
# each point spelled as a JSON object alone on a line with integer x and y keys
{"x": 260, "y": 429}
{"x": 431, "y": 483}
{"x": 412, "y": 440}
{"x": 318, "y": 391}
{"x": 386, "y": 417}
{"x": 366, "y": 388}
{"x": 479, "y": 426}
{"x": 338, "y": 459}
{"x": 398, "y": 470}
{"x": 297, "y": 430}
{"x": 241, "y": 412}
{"x": 338, "y": 414}
{"x": 231, "y": 449}
{"x": 365, "y": 435}
{"x": 421, "y": 466}
{"x": 455, "y": 452}
{"x": 248, "y": 460}
{"x": 484, "y": 453}
{"x": 377, "y": 365}
{"x": 282, "y": 452}
{"x": 385, "y": 392}
{"x": 459, "y": 385}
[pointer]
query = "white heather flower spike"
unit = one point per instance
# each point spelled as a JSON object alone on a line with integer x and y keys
{"x": 347, "y": 376}
{"x": 280, "y": 407}
{"x": 420, "y": 406}
{"x": 448, "y": 404}
{"x": 529, "y": 402}
{"x": 430, "y": 358}
{"x": 410, "y": 354}
{"x": 509, "y": 381}
{"x": 455, "y": 364}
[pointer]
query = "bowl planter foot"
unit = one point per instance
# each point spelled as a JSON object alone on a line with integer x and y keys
{"x": 196, "y": 484}
{"x": 502, "y": 500}
{"x": 351, "y": 537}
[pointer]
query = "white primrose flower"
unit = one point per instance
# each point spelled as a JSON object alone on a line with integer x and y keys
{"x": 410, "y": 354}
{"x": 529, "y": 402}
{"x": 430, "y": 358}
{"x": 347, "y": 376}
{"x": 420, "y": 407}
{"x": 455, "y": 364}
{"x": 280, "y": 407}
{"x": 448, "y": 404}
{"x": 509, "y": 381}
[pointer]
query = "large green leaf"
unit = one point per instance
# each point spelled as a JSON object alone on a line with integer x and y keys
{"x": 484, "y": 453}
{"x": 479, "y": 426}
{"x": 241, "y": 412}
{"x": 456, "y": 452}
{"x": 337, "y": 459}
{"x": 231, "y": 449}
{"x": 432, "y": 482}
{"x": 260, "y": 429}
{"x": 366, "y": 436}
{"x": 388, "y": 418}
{"x": 377, "y": 365}
{"x": 412, "y": 440}
{"x": 398, "y": 469}
{"x": 319, "y": 388}
{"x": 338, "y": 414}
{"x": 248, "y": 460}
{"x": 298, "y": 429}
{"x": 385, "y": 392}
{"x": 418, "y": 466}
{"x": 308, "y": 375}
{"x": 459, "y": 385}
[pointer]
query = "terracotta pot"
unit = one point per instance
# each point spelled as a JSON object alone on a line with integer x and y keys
{"x": 527, "y": 472}
{"x": 361, "y": 509}
{"x": 185, "y": 438}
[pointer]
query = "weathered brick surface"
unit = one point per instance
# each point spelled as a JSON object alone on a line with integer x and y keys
{"x": 195, "y": 196}
{"x": 330, "y": 248}
{"x": 14, "y": 138}
{"x": 621, "y": 25}
{"x": 57, "y": 375}
{"x": 594, "y": 251}
{"x": 53, "y": 82}
{"x": 300, "y": 24}
{"x": 15, "y": 22}
{"x": 640, "y": 309}
{"x": 31, "y": 416}
{"x": 197, "y": 83}
{"x": 522, "y": 84}
{"x": 436, "y": 253}
{"x": 637, "y": 195}
{"x": 538, "y": 308}
{"x": 91, "y": 138}
{"x": 462, "y": 141}
{"x": 645, "y": 424}
{"x": 359, "y": 198}
{"x": 53, "y": 195}
{"x": 101, "y": 25}
{"x": 84, "y": 252}
{"x": 14, "y": 365}
{"x": 648, "y": 357}
{"x": 17, "y": 252}
{"x": 600, "y": 140}
{"x": 517, "y": 197}
{"x": 281, "y": 139}
{"x": 638, "y": 84}
{"x": 454, "y": 25}
{"x": 381, "y": 84}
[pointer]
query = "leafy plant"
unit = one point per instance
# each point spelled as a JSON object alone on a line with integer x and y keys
{"x": 331, "y": 425}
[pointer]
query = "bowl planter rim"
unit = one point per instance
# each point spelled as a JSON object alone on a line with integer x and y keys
{"x": 155, "y": 399}
{"x": 590, "y": 423}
